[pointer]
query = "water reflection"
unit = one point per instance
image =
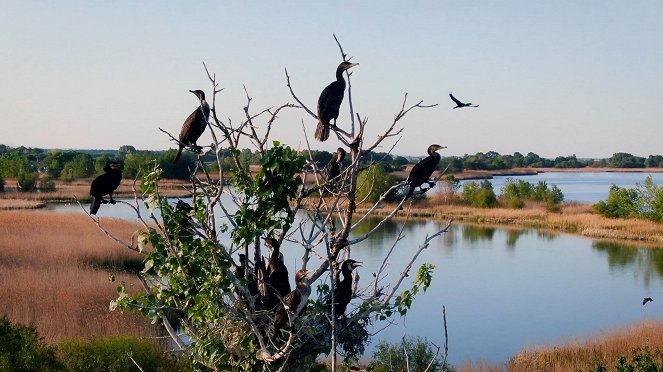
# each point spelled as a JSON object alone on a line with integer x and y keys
{"x": 503, "y": 288}
{"x": 647, "y": 263}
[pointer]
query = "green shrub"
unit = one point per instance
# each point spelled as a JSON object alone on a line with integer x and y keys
{"x": 479, "y": 195}
{"x": 391, "y": 357}
{"x": 27, "y": 181}
{"x": 641, "y": 361}
{"x": 621, "y": 202}
{"x": 112, "y": 354}
{"x": 46, "y": 184}
{"x": 373, "y": 182}
{"x": 21, "y": 349}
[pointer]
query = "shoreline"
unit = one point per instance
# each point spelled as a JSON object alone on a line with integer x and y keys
{"x": 489, "y": 174}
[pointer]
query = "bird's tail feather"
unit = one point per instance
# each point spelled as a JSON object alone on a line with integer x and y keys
{"x": 94, "y": 206}
{"x": 322, "y": 131}
{"x": 179, "y": 153}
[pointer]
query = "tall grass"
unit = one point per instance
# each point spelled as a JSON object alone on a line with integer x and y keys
{"x": 584, "y": 355}
{"x": 54, "y": 271}
{"x": 604, "y": 349}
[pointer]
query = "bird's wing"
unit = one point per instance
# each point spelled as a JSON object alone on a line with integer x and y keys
{"x": 455, "y": 100}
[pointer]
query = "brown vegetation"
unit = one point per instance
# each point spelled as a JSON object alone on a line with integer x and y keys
{"x": 581, "y": 355}
{"x": 54, "y": 270}
{"x": 573, "y": 218}
{"x": 80, "y": 189}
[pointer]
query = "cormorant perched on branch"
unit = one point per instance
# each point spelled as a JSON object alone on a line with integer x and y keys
{"x": 194, "y": 125}
{"x": 277, "y": 272}
{"x": 343, "y": 290}
{"x": 330, "y": 102}
{"x": 422, "y": 171}
{"x": 334, "y": 169}
{"x": 460, "y": 104}
{"x": 293, "y": 302}
{"x": 105, "y": 184}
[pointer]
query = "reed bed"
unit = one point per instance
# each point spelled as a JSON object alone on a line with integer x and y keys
{"x": 80, "y": 189}
{"x": 581, "y": 355}
{"x": 54, "y": 270}
{"x": 606, "y": 347}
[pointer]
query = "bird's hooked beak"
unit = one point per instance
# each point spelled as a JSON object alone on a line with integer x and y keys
{"x": 356, "y": 264}
{"x": 353, "y": 65}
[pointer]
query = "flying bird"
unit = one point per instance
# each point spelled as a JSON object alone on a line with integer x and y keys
{"x": 330, "y": 101}
{"x": 461, "y": 104}
{"x": 194, "y": 125}
{"x": 343, "y": 289}
{"x": 422, "y": 171}
{"x": 105, "y": 184}
{"x": 645, "y": 300}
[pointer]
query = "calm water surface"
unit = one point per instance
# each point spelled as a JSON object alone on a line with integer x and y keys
{"x": 505, "y": 289}
{"x": 587, "y": 187}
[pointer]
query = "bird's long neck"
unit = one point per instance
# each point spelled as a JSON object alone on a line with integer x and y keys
{"x": 339, "y": 77}
{"x": 347, "y": 273}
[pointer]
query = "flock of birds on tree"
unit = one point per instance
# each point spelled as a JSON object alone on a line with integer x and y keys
{"x": 270, "y": 283}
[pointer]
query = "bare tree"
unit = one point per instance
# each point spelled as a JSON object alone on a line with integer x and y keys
{"x": 204, "y": 261}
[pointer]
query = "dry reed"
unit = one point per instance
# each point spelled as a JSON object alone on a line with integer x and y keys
{"x": 50, "y": 275}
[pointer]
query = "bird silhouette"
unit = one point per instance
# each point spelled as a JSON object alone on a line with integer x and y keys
{"x": 422, "y": 171}
{"x": 645, "y": 300}
{"x": 105, "y": 184}
{"x": 460, "y": 104}
{"x": 343, "y": 289}
{"x": 330, "y": 101}
{"x": 334, "y": 169}
{"x": 194, "y": 125}
{"x": 277, "y": 272}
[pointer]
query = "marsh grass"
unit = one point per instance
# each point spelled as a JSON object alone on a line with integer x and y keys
{"x": 606, "y": 347}
{"x": 80, "y": 189}
{"x": 582, "y": 355}
{"x": 54, "y": 270}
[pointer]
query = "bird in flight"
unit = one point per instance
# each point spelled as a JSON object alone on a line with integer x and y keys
{"x": 461, "y": 104}
{"x": 645, "y": 300}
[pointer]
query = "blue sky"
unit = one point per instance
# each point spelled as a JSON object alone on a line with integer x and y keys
{"x": 554, "y": 78}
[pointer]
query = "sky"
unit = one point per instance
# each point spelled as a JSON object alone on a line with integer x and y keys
{"x": 554, "y": 78}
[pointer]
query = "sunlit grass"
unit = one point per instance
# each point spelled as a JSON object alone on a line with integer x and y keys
{"x": 580, "y": 355}
{"x": 54, "y": 271}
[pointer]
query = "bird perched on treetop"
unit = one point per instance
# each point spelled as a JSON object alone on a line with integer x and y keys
{"x": 194, "y": 125}
{"x": 293, "y": 302}
{"x": 105, "y": 184}
{"x": 277, "y": 272}
{"x": 422, "y": 171}
{"x": 330, "y": 102}
{"x": 460, "y": 104}
{"x": 343, "y": 289}
{"x": 334, "y": 168}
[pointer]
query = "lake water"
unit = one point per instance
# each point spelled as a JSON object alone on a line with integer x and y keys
{"x": 505, "y": 289}
{"x": 586, "y": 187}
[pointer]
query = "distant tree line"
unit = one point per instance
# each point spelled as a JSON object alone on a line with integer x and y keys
{"x": 37, "y": 168}
{"x": 34, "y": 167}
{"x": 494, "y": 161}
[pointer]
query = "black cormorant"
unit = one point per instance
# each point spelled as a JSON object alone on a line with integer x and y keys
{"x": 277, "y": 272}
{"x": 105, "y": 184}
{"x": 194, "y": 125}
{"x": 460, "y": 104}
{"x": 330, "y": 101}
{"x": 422, "y": 171}
{"x": 645, "y": 300}
{"x": 343, "y": 289}
{"x": 293, "y": 302}
{"x": 334, "y": 168}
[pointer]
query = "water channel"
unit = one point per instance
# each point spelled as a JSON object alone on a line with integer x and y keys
{"x": 505, "y": 289}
